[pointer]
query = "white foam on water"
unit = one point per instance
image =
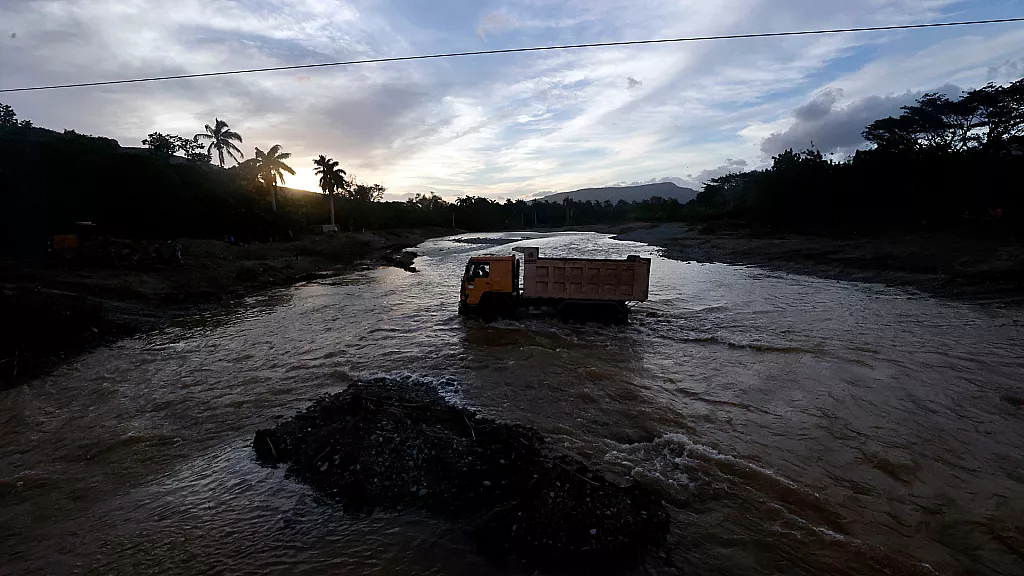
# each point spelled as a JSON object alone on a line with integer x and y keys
{"x": 506, "y": 325}
{"x": 683, "y": 465}
{"x": 819, "y": 530}
{"x": 447, "y": 387}
{"x": 654, "y": 462}
{"x": 696, "y": 451}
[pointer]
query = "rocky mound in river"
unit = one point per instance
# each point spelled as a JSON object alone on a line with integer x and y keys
{"x": 392, "y": 445}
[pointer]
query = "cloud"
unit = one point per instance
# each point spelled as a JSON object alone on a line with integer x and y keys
{"x": 819, "y": 107}
{"x": 731, "y": 166}
{"x": 398, "y": 197}
{"x": 697, "y": 181}
{"x": 505, "y": 125}
{"x": 830, "y": 129}
{"x": 964, "y": 60}
{"x": 1007, "y": 71}
{"x": 673, "y": 179}
{"x": 493, "y": 22}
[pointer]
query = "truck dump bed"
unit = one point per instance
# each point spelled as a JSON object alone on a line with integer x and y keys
{"x": 625, "y": 280}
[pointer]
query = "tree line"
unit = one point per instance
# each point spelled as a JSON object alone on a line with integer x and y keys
{"x": 204, "y": 186}
{"x": 264, "y": 169}
{"x": 943, "y": 164}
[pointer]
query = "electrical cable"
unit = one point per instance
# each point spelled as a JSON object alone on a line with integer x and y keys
{"x": 512, "y": 51}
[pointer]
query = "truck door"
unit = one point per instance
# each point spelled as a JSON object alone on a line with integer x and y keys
{"x": 476, "y": 282}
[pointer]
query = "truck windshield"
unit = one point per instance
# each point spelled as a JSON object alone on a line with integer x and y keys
{"x": 478, "y": 270}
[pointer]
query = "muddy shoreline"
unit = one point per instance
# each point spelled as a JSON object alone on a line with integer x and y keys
{"x": 986, "y": 270}
{"x": 54, "y": 311}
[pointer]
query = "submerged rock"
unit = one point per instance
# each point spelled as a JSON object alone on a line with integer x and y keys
{"x": 401, "y": 259}
{"x": 390, "y": 445}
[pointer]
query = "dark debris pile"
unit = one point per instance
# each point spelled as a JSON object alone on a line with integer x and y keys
{"x": 391, "y": 444}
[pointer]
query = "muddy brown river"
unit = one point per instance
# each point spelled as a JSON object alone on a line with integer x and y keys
{"x": 794, "y": 425}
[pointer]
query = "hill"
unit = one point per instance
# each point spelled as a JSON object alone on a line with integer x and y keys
{"x": 666, "y": 190}
{"x": 296, "y": 192}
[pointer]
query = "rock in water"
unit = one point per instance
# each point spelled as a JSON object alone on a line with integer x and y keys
{"x": 364, "y": 447}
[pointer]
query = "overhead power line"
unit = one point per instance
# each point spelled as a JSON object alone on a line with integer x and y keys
{"x": 513, "y": 51}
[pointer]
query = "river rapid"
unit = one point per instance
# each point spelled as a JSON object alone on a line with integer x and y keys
{"x": 794, "y": 425}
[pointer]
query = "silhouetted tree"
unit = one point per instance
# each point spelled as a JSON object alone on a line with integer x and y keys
{"x": 9, "y": 119}
{"x": 170, "y": 144}
{"x": 193, "y": 150}
{"x": 247, "y": 173}
{"x": 367, "y": 192}
{"x": 222, "y": 139}
{"x": 332, "y": 178}
{"x": 271, "y": 169}
{"x": 1001, "y": 112}
{"x": 897, "y": 135}
{"x": 160, "y": 144}
{"x": 429, "y": 202}
{"x": 985, "y": 118}
{"x": 943, "y": 163}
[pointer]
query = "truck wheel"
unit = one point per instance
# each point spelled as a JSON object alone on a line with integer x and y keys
{"x": 567, "y": 313}
{"x": 488, "y": 314}
{"x": 487, "y": 310}
{"x": 622, "y": 314}
{"x": 496, "y": 306}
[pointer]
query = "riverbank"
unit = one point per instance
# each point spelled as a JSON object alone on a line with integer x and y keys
{"x": 54, "y": 311}
{"x": 981, "y": 269}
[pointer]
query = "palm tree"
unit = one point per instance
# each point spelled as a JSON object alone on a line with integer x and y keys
{"x": 331, "y": 178}
{"x": 272, "y": 168}
{"x": 222, "y": 139}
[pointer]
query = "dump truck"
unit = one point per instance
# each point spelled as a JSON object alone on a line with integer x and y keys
{"x": 88, "y": 245}
{"x": 571, "y": 289}
{"x": 69, "y": 246}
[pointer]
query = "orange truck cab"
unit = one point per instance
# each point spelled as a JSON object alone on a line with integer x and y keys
{"x": 489, "y": 280}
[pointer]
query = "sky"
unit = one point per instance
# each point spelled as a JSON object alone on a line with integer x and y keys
{"x": 502, "y": 126}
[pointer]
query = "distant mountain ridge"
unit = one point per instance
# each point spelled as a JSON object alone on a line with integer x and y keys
{"x": 666, "y": 190}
